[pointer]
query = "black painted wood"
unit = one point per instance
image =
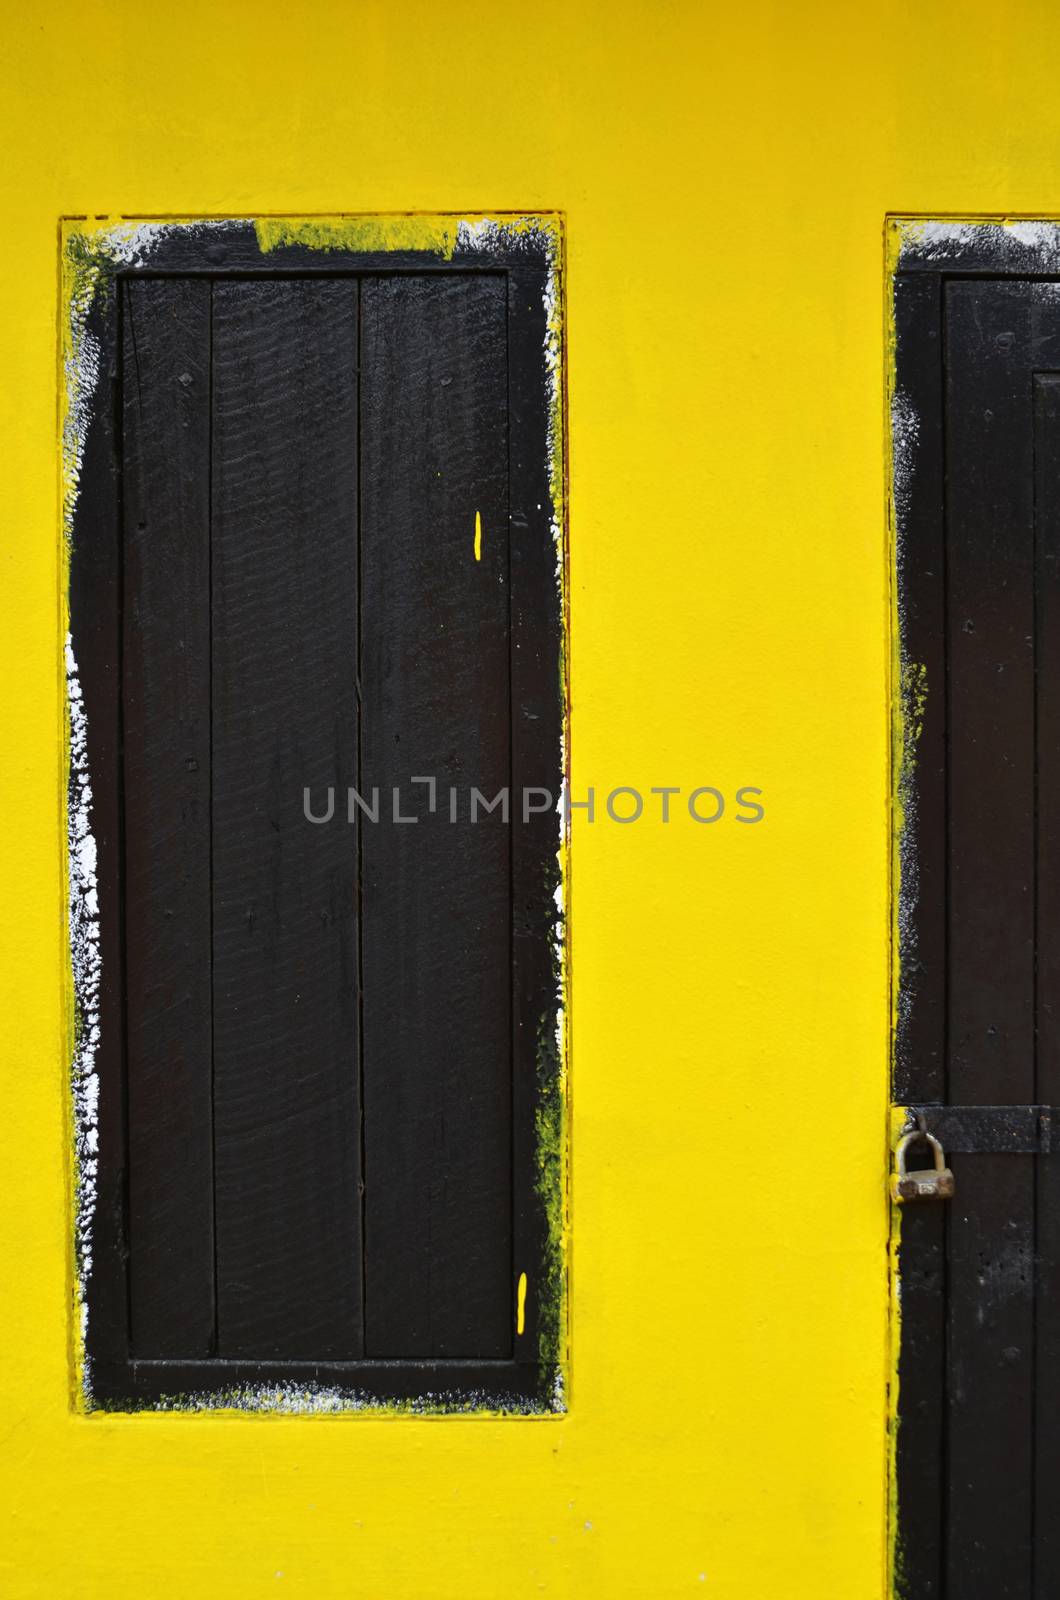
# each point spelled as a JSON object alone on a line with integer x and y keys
{"x": 96, "y": 599}
{"x": 991, "y": 715}
{"x": 456, "y": 1385}
{"x": 979, "y": 1447}
{"x": 216, "y": 606}
{"x": 166, "y": 709}
{"x": 992, "y": 1130}
{"x": 285, "y": 935}
{"x": 436, "y": 893}
{"x": 233, "y": 248}
{"x": 537, "y": 727}
{"x": 921, "y": 1043}
{"x": 920, "y": 1066}
{"x": 1047, "y": 997}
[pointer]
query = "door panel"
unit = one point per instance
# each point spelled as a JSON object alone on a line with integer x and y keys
{"x": 437, "y": 696}
{"x": 990, "y": 357}
{"x": 167, "y": 776}
{"x": 977, "y": 1461}
{"x": 1046, "y": 1465}
{"x": 285, "y": 614}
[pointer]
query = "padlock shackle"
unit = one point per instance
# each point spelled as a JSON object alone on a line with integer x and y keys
{"x": 913, "y": 1138}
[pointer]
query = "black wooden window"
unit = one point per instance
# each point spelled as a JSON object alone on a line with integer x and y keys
{"x": 978, "y": 480}
{"x": 316, "y": 611}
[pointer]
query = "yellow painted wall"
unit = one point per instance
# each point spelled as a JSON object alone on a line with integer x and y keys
{"x": 724, "y": 170}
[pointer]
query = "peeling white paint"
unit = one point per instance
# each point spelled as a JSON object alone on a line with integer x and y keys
{"x": 297, "y": 1399}
{"x": 1041, "y": 237}
{"x": 1014, "y": 244}
{"x": 909, "y": 690}
{"x": 82, "y": 377}
{"x": 905, "y": 439}
{"x": 86, "y": 962}
{"x": 131, "y": 244}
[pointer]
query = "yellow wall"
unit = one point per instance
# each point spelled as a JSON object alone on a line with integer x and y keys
{"x": 725, "y": 170}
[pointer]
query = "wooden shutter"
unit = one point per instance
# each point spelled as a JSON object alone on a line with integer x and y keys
{"x": 321, "y": 563}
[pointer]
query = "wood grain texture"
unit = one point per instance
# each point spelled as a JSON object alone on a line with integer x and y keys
{"x": 991, "y": 724}
{"x": 993, "y": 1366}
{"x": 217, "y": 610}
{"x": 436, "y": 895}
{"x": 1047, "y": 996}
{"x": 920, "y": 1066}
{"x": 920, "y": 1056}
{"x": 166, "y": 710}
{"x": 537, "y": 730}
{"x": 285, "y": 939}
{"x": 96, "y": 599}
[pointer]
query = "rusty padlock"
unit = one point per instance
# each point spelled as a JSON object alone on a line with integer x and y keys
{"x": 925, "y": 1183}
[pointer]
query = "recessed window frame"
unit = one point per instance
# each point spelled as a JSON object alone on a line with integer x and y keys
{"x": 97, "y": 259}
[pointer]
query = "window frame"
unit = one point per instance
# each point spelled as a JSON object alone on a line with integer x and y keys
{"x": 96, "y": 260}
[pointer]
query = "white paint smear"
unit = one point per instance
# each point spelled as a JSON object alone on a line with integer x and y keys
{"x": 85, "y": 958}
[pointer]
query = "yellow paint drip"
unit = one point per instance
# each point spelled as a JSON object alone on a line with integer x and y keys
{"x": 520, "y": 1304}
{"x": 478, "y": 536}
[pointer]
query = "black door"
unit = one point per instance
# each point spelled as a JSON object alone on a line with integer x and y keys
{"x": 977, "y": 425}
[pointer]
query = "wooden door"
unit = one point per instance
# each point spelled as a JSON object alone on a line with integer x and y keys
{"x": 978, "y": 416}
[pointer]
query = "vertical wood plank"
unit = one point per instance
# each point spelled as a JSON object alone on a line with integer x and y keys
{"x": 166, "y": 709}
{"x": 285, "y": 890}
{"x": 990, "y": 542}
{"x": 919, "y": 1069}
{"x": 436, "y": 894}
{"x": 96, "y": 636}
{"x": 537, "y": 711}
{"x": 1047, "y": 637}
